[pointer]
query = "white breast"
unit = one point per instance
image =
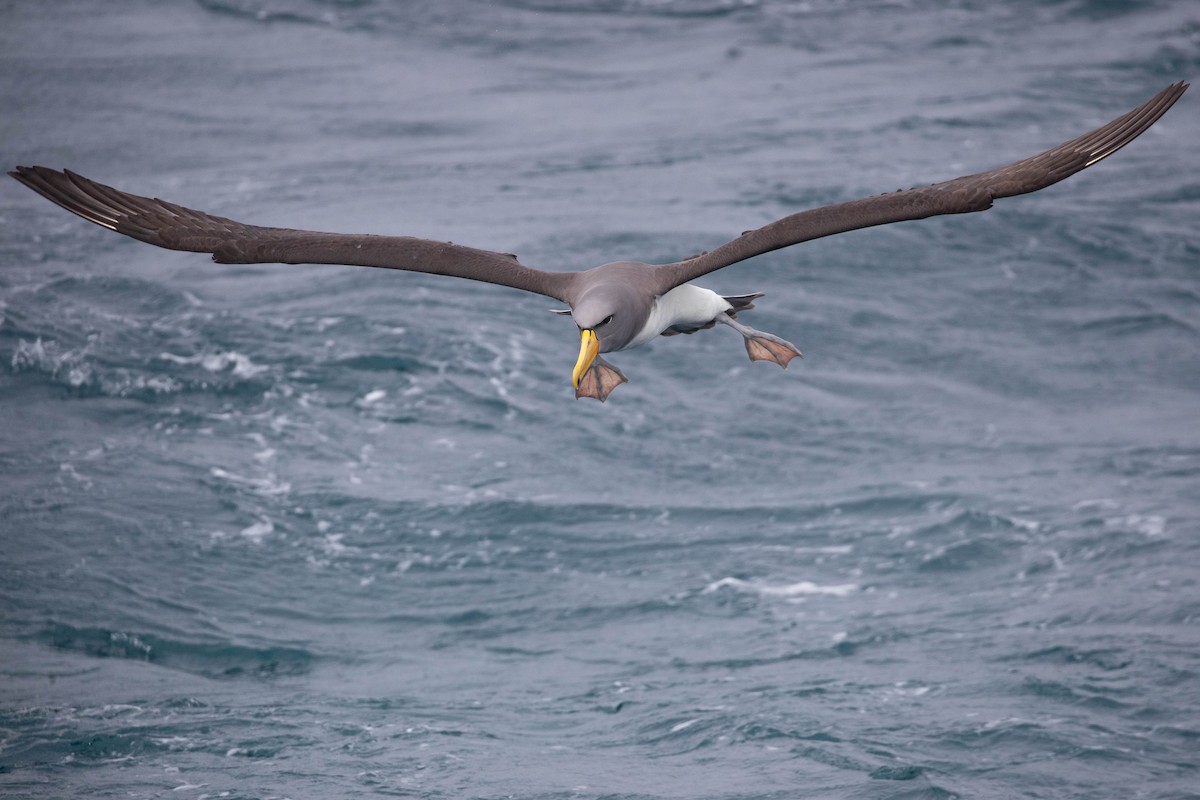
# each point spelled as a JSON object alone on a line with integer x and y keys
{"x": 686, "y": 304}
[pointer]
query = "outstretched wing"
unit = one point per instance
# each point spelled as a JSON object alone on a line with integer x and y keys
{"x": 230, "y": 242}
{"x": 958, "y": 196}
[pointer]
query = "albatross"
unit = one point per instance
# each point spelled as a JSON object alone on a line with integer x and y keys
{"x": 615, "y": 306}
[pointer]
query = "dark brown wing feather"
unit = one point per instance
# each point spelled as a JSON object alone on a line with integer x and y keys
{"x": 230, "y": 242}
{"x": 958, "y": 196}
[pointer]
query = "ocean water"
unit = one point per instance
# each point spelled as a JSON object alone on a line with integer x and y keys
{"x": 313, "y": 532}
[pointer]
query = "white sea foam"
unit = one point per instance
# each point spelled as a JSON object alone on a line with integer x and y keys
{"x": 825, "y": 550}
{"x": 73, "y": 368}
{"x": 1149, "y": 525}
{"x": 68, "y": 469}
{"x": 227, "y": 361}
{"x": 68, "y": 365}
{"x": 269, "y": 485}
{"x": 259, "y": 530}
{"x": 684, "y": 725}
{"x": 788, "y": 590}
{"x": 333, "y": 544}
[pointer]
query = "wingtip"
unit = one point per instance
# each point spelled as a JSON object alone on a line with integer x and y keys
{"x": 1176, "y": 90}
{"x": 25, "y": 174}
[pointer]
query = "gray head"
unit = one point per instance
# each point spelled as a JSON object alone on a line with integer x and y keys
{"x": 611, "y": 305}
{"x": 610, "y": 312}
{"x": 614, "y": 302}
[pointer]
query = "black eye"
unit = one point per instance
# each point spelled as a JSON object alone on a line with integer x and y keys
{"x": 605, "y": 321}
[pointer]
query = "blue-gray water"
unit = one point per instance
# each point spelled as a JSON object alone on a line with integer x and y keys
{"x": 314, "y": 532}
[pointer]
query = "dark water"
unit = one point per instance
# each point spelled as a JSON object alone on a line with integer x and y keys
{"x": 316, "y": 532}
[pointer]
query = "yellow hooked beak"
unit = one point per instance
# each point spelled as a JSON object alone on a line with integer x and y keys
{"x": 589, "y": 345}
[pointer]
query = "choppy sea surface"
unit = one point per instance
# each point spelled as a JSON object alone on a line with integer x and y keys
{"x": 310, "y": 532}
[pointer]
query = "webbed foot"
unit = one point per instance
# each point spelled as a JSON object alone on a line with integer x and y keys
{"x": 765, "y": 347}
{"x": 599, "y": 380}
{"x": 762, "y": 346}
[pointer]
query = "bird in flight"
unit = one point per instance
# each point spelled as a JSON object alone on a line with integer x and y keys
{"x": 615, "y": 306}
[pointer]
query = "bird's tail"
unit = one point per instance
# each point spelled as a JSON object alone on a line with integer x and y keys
{"x": 741, "y": 302}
